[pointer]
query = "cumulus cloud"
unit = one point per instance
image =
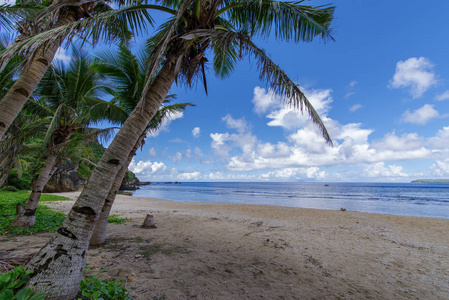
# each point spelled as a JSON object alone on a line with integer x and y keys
{"x": 146, "y": 167}
{"x": 440, "y": 168}
{"x": 380, "y": 170}
{"x": 289, "y": 118}
{"x": 304, "y": 148}
{"x": 415, "y": 74}
{"x": 263, "y": 100}
{"x": 355, "y": 107}
{"x": 294, "y": 173}
{"x": 196, "y": 132}
{"x": 187, "y": 176}
{"x": 421, "y": 115}
{"x": 443, "y": 96}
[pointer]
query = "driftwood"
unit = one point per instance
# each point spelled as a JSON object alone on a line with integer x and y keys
{"x": 148, "y": 222}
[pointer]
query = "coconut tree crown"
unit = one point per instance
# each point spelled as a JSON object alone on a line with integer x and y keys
{"x": 224, "y": 29}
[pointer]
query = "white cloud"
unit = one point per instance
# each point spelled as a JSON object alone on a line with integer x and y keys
{"x": 443, "y": 96}
{"x": 440, "y": 168}
{"x": 62, "y": 56}
{"x": 262, "y": 100}
{"x": 238, "y": 124}
{"x": 305, "y": 148}
{"x": 152, "y": 152}
{"x": 350, "y": 88}
{"x": 177, "y": 158}
{"x": 380, "y": 170}
{"x": 166, "y": 123}
{"x": 294, "y": 173}
{"x": 415, "y": 74}
{"x": 421, "y": 115}
{"x": 355, "y": 107}
{"x": 189, "y": 176}
{"x": 406, "y": 142}
{"x": 196, "y": 132}
{"x": 290, "y": 118}
{"x": 146, "y": 167}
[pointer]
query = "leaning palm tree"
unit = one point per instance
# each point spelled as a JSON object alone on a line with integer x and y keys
{"x": 42, "y": 35}
{"x": 127, "y": 72}
{"x": 226, "y": 27}
{"x": 64, "y": 94}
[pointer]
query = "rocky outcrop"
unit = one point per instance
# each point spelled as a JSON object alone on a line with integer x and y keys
{"x": 65, "y": 179}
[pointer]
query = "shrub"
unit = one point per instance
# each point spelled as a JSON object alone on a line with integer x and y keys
{"x": 11, "y": 285}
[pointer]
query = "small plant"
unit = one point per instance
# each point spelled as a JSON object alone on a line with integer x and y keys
{"x": 94, "y": 288}
{"x": 116, "y": 219}
{"x": 11, "y": 285}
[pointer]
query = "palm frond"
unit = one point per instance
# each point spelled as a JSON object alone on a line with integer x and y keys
{"x": 162, "y": 46}
{"x": 105, "y": 26}
{"x": 290, "y": 21}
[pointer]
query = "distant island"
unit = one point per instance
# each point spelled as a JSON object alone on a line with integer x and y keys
{"x": 430, "y": 181}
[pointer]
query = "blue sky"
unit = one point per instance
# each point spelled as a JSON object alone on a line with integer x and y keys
{"x": 382, "y": 90}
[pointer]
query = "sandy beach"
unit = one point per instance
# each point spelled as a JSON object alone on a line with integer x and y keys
{"x": 232, "y": 251}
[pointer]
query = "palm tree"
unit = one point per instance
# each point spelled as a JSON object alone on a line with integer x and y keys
{"x": 64, "y": 94}
{"x": 226, "y": 27}
{"x": 42, "y": 35}
{"x": 128, "y": 75}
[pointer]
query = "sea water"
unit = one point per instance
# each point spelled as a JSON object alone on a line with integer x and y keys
{"x": 410, "y": 199}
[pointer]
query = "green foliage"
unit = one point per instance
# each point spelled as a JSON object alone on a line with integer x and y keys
{"x": 94, "y": 288}
{"x": 46, "y": 219}
{"x": 20, "y": 181}
{"x": 130, "y": 175}
{"x": 11, "y": 284}
{"x": 116, "y": 219}
{"x": 84, "y": 171}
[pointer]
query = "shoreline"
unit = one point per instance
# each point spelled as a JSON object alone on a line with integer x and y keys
{"x": 245, "y": 251}
{"x": 198, "y": 204}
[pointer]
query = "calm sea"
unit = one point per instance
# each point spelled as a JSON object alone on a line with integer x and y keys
{"x": 410, "y": 199}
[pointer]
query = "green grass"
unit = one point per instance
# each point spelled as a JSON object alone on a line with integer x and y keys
{"x": 116, "y": 219}
{"x": 46, "y": 219}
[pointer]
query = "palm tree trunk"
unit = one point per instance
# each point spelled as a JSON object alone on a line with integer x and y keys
{"x": 21, "y": 90}
{"x": 58, "y": 266}
{"x": 28, "y": 216}
{"x": 99, "y": 235}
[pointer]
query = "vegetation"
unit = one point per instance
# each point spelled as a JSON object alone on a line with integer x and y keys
{"x": 47, "y": 220}
{"x": 12, "y": 285}
{"x": 116, "y": 219}
{"x": 431, "y": 181}
{"x": 94, "y": 288}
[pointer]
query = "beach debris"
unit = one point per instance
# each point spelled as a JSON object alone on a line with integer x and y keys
{"x": 343, "y": 209}
{"x": 148, "y": 222}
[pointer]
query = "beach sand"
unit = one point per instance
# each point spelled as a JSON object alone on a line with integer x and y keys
{"x": 232, "y": 251}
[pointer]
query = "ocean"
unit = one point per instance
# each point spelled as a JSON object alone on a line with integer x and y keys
{"x": 409, "y": 199}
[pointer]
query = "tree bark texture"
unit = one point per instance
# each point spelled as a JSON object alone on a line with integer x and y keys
{"x": 28, "y": 217}
{"x": 59, "y": 265}
{"x": 21, "y": 90}
{"x": 99, "y": 234}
